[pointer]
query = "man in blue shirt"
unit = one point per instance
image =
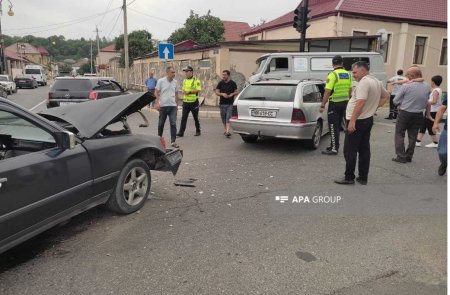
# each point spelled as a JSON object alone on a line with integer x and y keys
{"x": 150, "y": 82}
{"x": 442, "y": 146}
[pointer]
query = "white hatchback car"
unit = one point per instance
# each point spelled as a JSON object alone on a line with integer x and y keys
{"x": 281, "y": 109}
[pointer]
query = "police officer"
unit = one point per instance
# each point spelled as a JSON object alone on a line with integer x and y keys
{"x": 191, "y": 88}
{"x": 337, "y": 92}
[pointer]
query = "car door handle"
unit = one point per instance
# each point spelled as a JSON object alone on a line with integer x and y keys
{"x": 2, "y": 180}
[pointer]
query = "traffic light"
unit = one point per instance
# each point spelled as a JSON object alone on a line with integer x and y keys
{"x": 306, "y": 18}
{"x": 298, "y": 19}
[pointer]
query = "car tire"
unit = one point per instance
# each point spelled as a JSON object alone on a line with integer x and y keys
{"x": 249, "y": 138}
{"x": 10, "y": 92}
{"x": 314, "y": 142}
{"x": 15, "y": 91}
{"x": 132, "y": 188}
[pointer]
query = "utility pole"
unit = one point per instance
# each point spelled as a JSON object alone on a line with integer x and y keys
{"x": 98, "y": 46}
{"x": 91, "y": 58}
{"x": 125, "y": 41}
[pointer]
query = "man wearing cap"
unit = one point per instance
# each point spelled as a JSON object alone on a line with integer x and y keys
{"x": 337, "y": 93}
{"x": 191, "y": 88}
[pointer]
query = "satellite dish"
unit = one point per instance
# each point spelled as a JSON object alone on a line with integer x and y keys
{"x": 383, "y": 35}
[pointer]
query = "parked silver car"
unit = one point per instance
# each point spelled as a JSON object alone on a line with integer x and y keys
{"x": 282, "y": 109}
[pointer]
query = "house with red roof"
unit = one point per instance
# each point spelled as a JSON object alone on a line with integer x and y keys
{"x": 234, "y": 30}
{"x": 105, "y": 55}
{"x": 413, "y": 32}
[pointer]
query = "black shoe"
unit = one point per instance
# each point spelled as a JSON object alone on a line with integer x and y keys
{"x": 361, "y": 180}
{"x": 343, "y": 180}
{"x": 180, "y": 135}
{"x": 197, "y": 133}
{"x": 329, "y": 148}
{"x": 228, "y": 134}
{"x": 442, "y": 169}
{"x": 409, "y": 160}
{"x": 399, "y": 160}
{"x": 389, "y": 118}
{"x": 330, "y": 152}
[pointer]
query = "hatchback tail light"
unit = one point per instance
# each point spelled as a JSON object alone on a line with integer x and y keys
{"x": 93, "y": 95}
{"x": 234, "y": 112}
{"x": 298, "y": 116}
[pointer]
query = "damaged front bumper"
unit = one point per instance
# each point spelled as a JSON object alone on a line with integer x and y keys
{"x": 170, "y": 161}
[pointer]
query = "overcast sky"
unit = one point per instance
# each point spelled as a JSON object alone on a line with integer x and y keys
{"x": 78, "y": 18}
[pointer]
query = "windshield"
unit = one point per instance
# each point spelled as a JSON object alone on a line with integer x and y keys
{"x": 3, "y": 78}
{"x": 260, "y": 65}
{"x": 269, "y": 92}
{"x": 72, "y": 85}
{"x": 33, "y": 71}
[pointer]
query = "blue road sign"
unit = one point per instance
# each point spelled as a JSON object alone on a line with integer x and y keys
{"x": 165, "y": 50}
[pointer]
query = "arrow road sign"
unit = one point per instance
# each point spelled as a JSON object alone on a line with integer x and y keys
{"x": 165, "y": 51}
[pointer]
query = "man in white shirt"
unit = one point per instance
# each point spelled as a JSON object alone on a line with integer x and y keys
{"x": 393, "y": 112}
{"x": 367, "y": 96}
{"x": 166, "y": 92}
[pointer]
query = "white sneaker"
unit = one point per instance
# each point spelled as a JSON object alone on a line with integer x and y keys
{"x": 418, "y": 143}
{"x": 432, "y": 145}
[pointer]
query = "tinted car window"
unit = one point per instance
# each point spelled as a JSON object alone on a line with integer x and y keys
{"x": 19, "y": 128}
{"x": 311, "y": 94}
{"x": 103, "y": 85}
{"x": 278, "y": 64}
{"x": 32, "y": 71}
{"x": 349, "y": 61}
{"x": 269, "y": 92}
{"x": 72, "y": 85}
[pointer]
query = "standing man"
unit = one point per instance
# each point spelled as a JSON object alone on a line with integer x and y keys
{"x": 412, "y": 99}
{"x": 442, "y": 146}
{"x": 227, "y": 90}
{"x": 166, "y": 92}
{"x": 337, "y": 92}
{"x": 393, "y": 112}
{"x": 150, "y": 83}
{"x": 191, "y": 88}
{"x": 367, "y": 96}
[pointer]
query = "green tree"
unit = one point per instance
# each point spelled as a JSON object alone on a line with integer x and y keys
{"x": 85, "y": 68}
{"x": 139, "y": 44}
{"x": 65, "y": 68}
{"x": 206, "y": 30}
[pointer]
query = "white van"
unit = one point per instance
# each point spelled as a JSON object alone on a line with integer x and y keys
{"x": 312, "y": 65}
{"x": 38, "y": 72}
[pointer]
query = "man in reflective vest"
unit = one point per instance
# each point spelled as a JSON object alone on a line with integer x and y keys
{"x": 191, "y": 88}
{"x": 337, "y": 92}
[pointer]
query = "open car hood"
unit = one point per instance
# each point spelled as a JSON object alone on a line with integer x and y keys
{"x": 91, "y": 117}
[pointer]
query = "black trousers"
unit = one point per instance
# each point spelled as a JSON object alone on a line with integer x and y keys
{"x": 411, "y": 123}
{"x": 188, "y": 107}
{"x": 358, "y": 143}
{"x": 336, "y": 114}
{"x": 393, "y": 112}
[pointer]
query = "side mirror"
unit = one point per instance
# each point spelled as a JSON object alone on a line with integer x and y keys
{"x": 65, "y": 139}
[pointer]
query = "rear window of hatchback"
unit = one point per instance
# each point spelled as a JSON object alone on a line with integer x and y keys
{"x": 269, "y": 92}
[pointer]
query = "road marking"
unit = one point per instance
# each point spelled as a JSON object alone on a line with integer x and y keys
{"x": 36, "y": 106}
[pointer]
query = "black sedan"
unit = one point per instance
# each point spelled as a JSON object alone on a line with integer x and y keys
{"x": 25, "y": 81}
{"x": 66, "y": 160}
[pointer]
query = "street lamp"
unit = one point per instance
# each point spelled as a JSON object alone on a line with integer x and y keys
{"x": 2, "y": 50}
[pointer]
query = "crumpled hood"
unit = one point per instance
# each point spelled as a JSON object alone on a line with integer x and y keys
{"x": 91, "y": 117}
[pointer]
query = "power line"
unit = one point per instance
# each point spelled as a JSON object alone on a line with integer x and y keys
{"x": 62, "y": 24}
{"x": 114, "y": 26}
{"x": 155, "y": 17}
{"x": 107, "y": 8}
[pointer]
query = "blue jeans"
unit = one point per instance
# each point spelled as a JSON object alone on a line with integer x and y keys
{"x": 172, "y": 113}
{"x": 225, "y": 112}
{"x": 442, "y": 147}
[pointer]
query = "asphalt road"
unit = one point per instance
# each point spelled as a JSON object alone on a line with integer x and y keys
{"x": 230, "y": 235}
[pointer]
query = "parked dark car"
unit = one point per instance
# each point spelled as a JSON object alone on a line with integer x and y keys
{"x": 25, "y": 81}
{"x": 63, "y": 161}
{"x": 70, "y": 90}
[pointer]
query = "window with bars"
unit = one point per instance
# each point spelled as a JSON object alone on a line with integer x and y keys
{"x": 419, "y": 50}
{"x": 443, "y": 58}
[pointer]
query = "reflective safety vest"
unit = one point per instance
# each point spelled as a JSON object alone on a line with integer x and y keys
{"x": 340, "y": 82}
{"x": 189, "y": 85}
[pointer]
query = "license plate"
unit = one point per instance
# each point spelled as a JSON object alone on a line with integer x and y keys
{"x": 63, "y": 103}
{"x": 22, "y": 81}
{"x": 264, "y": 113}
